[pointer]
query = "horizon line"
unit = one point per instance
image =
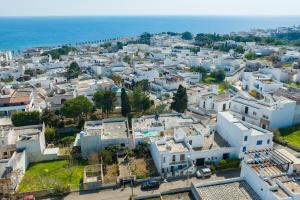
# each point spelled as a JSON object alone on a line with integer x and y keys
{"x": 150, "y": 15}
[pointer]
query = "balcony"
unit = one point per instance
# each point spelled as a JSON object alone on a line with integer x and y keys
{"x": 178, "y": 162}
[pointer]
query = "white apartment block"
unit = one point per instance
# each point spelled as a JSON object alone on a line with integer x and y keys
{"x": 271, "y": 112}
{"x": 262, "y": 83}
{"x": 181, "y": 150}
{"x": 242, "y": 135}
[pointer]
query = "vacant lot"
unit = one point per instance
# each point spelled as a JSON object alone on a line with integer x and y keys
{"x": 291, "y": 135}
{"x": 110, "y": 173}
{"x": 142, "y": 168}
{"x": 53, "y": 174}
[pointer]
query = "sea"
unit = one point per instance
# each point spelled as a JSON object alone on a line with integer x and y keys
{"x": 19, "y": 33}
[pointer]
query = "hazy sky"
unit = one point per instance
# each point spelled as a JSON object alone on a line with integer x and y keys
{"x": 148, "y": 7}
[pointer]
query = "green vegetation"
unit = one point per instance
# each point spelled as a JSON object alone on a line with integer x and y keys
{"x": 187, "y": 35}
{"x": 195, "y": 50}
{"x": 226, "y": 47}
{"x": 116, "y": 78}
{"x": 50, "y": 134}
{"x": 7, "y": 80}
{"x": 127, "y": 59}
{"x": 291, "y": 135}
{"x": 53, "y": 175}
{"x": 49, "y": 118}
{"x": 294, "y": 85}
{"x": 180, "y": 100}
{"x": 33, "y": 72}
{"x": 77, "y": 107}
{"x": 214, "y": 77}
{"x": 105, "y": 100}
{"x": 73, "y": 71}
{"x": 143, "y": 84}
{"x": 228, "y": 164}
{"x": 125, "y": 104}
{"x": 145, "y": 38}
{"x": 139, "y": 100}
{"x": 253, "y": 93}
{"x": 26, "y": 118}
{"x": 56, "y": 53}
{"x": 251, "y": 56}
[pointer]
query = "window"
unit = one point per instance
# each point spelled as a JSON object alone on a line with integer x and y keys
{"x": 259, "y": 142}
{"x": 224, "y": 107}
{"x": 268, "y": 141}
{"x": 254, "y": 113}
{"x": 244, "y": 149}
{"x": 191, "y": 142}
{"x": 246, "y": 138}
{"x": 173, "y": 158}
{"x": 243, "y": 118}
{"x": 246, "y": 109}
{"x": 182, "y": 157}
{"x": 164, "y": 159}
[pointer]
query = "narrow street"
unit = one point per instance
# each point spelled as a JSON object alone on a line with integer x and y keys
{"x": 125, "y": 193}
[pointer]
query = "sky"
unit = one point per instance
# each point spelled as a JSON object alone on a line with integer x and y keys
{"x": 148, "y": 7}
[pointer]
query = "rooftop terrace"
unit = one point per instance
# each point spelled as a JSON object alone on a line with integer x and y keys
{"x": 236, "y": 190}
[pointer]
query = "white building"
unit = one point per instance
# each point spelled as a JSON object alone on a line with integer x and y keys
{"x": 273, "y": 174}
{"x": 270, "y": 112}
{"x": 99, "y": 134}
{"x": 242, "y": 135}
{"x": 262, "y": 83}
{"x": 32, "y": 140}
{"x": 12, "y": 100}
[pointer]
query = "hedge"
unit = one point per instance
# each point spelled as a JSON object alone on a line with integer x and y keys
{"x": 26, "y": 118}
{"x": 228, "y": 164}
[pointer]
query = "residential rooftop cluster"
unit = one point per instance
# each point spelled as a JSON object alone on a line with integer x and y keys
{"x": 193, "y": 104}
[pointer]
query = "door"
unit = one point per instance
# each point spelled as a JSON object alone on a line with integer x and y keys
{"x": 200, "y": 162}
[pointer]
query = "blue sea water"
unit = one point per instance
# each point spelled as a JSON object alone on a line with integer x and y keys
{"x": 19, "y": 33}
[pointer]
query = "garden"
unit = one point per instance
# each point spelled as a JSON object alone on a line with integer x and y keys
{"x": 59, "y": 175}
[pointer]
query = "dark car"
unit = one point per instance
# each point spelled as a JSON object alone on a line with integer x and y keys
{"x": 150, "y": 184}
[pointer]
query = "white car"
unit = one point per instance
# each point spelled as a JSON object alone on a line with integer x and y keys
{"x": 204, "y": 172}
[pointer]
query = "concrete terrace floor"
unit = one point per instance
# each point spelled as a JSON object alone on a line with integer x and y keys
{"x": 124, "y": 193}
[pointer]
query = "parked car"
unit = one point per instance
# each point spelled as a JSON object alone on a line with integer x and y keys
{"x": 150, "y": 184}
{"x": 203, "y": 172}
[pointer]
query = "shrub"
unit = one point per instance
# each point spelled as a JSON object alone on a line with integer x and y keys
{"x": 228, "y": 164}
{"x": 50, "y": 134}
{"x": 26, "y": 118}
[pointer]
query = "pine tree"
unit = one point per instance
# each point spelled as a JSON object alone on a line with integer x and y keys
{"x": 180, "y": 100}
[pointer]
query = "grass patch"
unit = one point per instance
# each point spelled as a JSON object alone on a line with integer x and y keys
{"x": 110, "y": 173}
{"x": 291, "y": 135}
{"x": 47, "y": 175}
{"x": 294, "y": 85}
{"x": 221, "y": 88}
{"x": 142, "y": 168}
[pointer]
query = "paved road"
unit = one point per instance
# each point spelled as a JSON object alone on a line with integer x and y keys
{"x": 124, "y": 193}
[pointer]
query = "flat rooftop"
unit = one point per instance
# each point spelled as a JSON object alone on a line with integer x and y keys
{"x": 108, "y": 129}
{"x": 240, "y": 190}
{"x": 214, "y": 141}
{"x": 172, "y": 146}
{"x": 244, "y": 126}
{"x": 114, "y": 130}
{"x": 166, "y": 121}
